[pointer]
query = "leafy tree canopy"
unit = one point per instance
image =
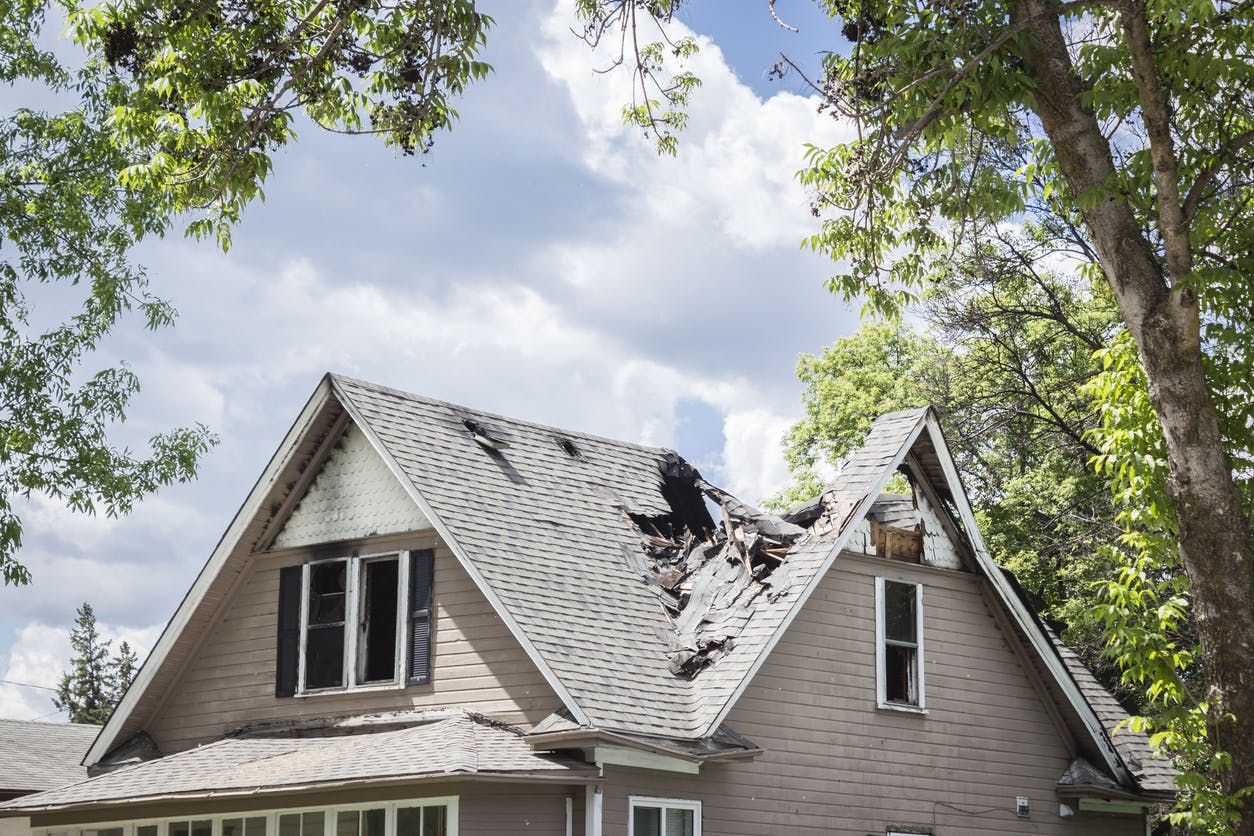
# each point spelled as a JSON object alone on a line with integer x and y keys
{"x": 173, "y": 113}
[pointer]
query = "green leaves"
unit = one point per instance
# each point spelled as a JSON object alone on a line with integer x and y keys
{"x": 202, "y": 95}
{"x": 180, "y": 109}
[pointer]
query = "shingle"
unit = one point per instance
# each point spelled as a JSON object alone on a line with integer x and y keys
{"x": 40, "y": 756}
{"x": 1152, "y": 773}
{"x": 548, "y": 533}
{"x": 456, "y": 743}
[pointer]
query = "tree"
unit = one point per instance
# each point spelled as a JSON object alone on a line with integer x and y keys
{"x": 176, "y": 111}
{"x": 1130, "y": 123}
{"x": 96, "y": 681}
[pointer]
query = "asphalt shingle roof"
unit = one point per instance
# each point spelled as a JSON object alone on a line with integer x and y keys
{"x": 40, "y": 756}
{"x": 547, "y": 531}
{"x": 461, "y": 744}
{"x": 1152, "y": 773}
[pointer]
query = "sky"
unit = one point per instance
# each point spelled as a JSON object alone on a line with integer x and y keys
{"x": 541, "y": 262}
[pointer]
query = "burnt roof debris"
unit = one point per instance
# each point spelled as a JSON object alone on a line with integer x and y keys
{"x": 708, "y": 576}
{"x": 485, "y": 438}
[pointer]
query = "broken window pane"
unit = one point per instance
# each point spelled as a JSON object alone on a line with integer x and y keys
{"x": 182, "y": 828}
{"x": 141, "y": 830}
{"x": 378, "y": 620}
{"x": 899, "y": 614}
{"x": 899, "y": 674}
{"x": 289, "y": 824}
{"x": 324, "y": 657}
{"x": 255, "y": 826}
{"x": 232, "y": 827}
{"x": 646, "y": 821}
{"x": 326, "y": 592}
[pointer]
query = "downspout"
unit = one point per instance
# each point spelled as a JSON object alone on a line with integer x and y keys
{"x": 570, "y": 816}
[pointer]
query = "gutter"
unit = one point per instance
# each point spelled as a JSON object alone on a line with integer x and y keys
{"x": 589, "y": 777}
{"x": 584, "y": 738}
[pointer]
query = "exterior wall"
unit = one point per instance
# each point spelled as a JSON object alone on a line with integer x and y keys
{"x": 229, "y": 680}
{"x": 835, "y": 764}
{"x": 15, "y": 827}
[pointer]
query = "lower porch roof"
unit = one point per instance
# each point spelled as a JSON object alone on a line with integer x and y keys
{"x": 449, "y": 745}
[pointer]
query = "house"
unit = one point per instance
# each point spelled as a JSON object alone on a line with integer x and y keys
{"x": 39, "y": 756}
{"x": 427, "y": 620}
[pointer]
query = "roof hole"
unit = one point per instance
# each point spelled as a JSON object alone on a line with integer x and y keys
{"x": 485, "y": 439}
{"x": 568, "y": 447}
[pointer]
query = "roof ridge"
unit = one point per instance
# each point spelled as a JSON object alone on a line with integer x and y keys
{"x": 413, "y": 396}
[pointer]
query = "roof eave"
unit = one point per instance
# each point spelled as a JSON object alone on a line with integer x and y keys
{"x": 588, "y": 737}
{"x": 571, "y": 776}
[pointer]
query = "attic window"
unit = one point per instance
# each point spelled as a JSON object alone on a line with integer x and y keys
{"x": 350, "y": 622}
{"x": 899, "y": 645}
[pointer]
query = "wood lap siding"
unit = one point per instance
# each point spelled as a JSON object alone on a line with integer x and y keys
{"x": 834, "y": 764}
{"x": 229, "y": 682}
{"x": 505, "y": 810}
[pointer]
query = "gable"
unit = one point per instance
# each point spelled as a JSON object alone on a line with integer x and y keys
{"x": 354, "y": 495}
{"x": 229, "y": 682}
{"x": 987, "y": 737}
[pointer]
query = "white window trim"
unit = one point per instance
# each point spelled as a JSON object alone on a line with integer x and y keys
{"x": 271, "y": 816}
{"x": 634, "y": 801}
{"x": 881, "y": 685}
{"x": 352, "y": 624}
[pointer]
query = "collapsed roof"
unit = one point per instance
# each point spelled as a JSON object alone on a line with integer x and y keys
{"x": 647, "y": 596}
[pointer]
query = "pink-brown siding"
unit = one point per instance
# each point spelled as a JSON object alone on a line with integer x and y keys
{"x": 229, "y": 681}
{"x": 836, "y": 764}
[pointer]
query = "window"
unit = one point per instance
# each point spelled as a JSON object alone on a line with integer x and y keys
{"x": 425, "y": 817}
{"x": 664, "y": 817}
{"x": 348, "y": 622}
{"x": 899, "y": 644}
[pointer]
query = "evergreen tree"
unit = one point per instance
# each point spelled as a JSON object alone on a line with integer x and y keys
{"x": 96, "y": 680}
{"x": 122, "y": 669}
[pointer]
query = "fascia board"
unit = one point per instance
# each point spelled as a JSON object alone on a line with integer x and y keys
{"x": 1024, "y": 619}
{"x": 208, "y": 573}
{"x": 481, "y": 582}
{"x": 862, "y": 510}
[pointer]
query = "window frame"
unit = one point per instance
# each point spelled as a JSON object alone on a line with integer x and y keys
{"x": 354, "y": 602}
{"x": 881, "y": 648}
{"x": 129, "y": 827}
{"x": 634, "y": 801}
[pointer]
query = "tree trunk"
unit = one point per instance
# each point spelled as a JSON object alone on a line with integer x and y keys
{"x": 1215, "y": 542}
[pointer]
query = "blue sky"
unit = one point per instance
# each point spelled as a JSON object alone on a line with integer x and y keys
{"x": 542, "y": 262}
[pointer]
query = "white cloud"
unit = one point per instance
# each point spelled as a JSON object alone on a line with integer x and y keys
{"x": 36, "y": 658}
{"x": 40, "y": 656}
{"x": 753, "y": 463}
{"x": 546, "y": 263}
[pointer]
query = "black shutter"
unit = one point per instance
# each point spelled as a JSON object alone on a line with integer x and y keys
{"x": 288, "y": 653}
{"x": 421, "y": 584}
